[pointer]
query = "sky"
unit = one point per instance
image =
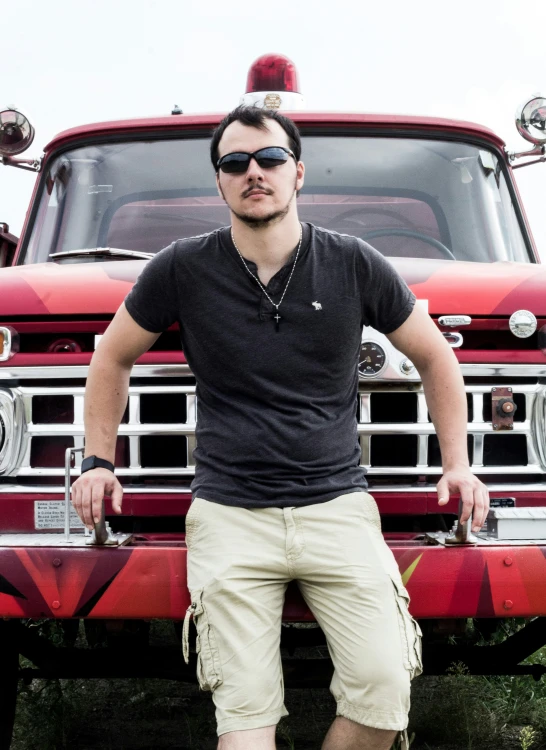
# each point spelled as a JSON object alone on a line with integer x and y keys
{"x": 68, "y": 63}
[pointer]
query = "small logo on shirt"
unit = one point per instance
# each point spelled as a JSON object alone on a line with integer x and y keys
{"x": 317, "y": 305}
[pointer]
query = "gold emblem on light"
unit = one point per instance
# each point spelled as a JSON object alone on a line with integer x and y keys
{"x": 272, "y": 101}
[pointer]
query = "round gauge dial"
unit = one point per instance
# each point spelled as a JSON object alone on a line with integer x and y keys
{"x": 372, "y": 359}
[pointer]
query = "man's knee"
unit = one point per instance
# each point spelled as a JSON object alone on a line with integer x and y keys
{"x": 248, "y": 739}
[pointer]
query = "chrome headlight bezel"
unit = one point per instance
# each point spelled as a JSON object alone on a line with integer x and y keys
{"x": 12, "y": 418}
{"x": 10, "y": 342}
{"x": 538, "y": 428}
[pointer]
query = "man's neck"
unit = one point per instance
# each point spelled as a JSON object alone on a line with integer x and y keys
{"x": 269, "y": 247}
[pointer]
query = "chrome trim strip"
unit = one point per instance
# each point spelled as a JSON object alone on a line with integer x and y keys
{"x": 181, "y": 370}
{"x": 77, "y": 430}
{"x": 36, "y": 489}
{"x": 80, "y": 371}
{"x": 399, "y": 471}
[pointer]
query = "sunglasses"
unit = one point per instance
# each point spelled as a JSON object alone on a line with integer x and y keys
{"x": 237, "y": 162}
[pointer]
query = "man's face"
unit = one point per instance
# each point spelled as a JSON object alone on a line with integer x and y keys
{"x": 258, "y": 197}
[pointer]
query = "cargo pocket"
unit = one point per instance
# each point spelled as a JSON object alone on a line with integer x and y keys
{"x": 209, "y": 673}
{"x": 192, "y": 518}
{"x": 410, "y": 632}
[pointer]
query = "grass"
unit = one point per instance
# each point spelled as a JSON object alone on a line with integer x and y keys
{"x": 455, "y": 712}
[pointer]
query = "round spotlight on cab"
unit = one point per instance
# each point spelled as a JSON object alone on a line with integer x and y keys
{"x": 16, "y": 132}
{"x": 531, "y": 120}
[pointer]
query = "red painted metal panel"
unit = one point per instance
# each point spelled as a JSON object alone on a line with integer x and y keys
{"x": 479, "y": 289}
{"x": 17, "y": 509}
{"x": 149, "y": 581}
{"x": 501, "y": 357}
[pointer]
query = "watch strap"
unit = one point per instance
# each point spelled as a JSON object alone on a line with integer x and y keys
{"x": 94, "y": 462}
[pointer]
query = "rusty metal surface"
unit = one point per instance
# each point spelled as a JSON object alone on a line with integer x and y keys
{"x": 503, "y": 408}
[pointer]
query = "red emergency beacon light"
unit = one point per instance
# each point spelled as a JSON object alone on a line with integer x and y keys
{"x": 272, "y": 83}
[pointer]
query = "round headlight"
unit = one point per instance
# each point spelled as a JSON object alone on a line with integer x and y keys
{"x": 531, "y": 120}
{"x": 16, "y": 132}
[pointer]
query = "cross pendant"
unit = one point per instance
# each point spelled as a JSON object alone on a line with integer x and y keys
{"x": 277, "y": 319}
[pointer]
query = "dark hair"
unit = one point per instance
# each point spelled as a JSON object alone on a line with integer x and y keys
{"x": 255, "y": 118}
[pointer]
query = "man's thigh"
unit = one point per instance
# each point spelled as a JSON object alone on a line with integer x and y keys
{"x": 351, "y": 582}
{"x": 237, "y": 579}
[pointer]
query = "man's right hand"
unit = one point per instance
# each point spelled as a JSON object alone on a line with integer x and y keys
{"x": 88, "y": 492}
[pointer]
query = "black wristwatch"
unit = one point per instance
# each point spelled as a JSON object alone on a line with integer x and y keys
{"x": 94, "y": 462}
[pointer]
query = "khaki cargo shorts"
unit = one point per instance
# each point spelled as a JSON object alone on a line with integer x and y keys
{"x": 240, "y": 562}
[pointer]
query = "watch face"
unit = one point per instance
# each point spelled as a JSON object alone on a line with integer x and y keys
{"x": 372, "y": 359}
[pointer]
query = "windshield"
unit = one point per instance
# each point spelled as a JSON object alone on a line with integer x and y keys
{"x": 407, "y": 197}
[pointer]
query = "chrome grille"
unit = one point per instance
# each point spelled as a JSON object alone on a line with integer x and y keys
{"x": 408, "y": 436}
{"x": 134, "y": 431}
{"x": 481, "y": 433}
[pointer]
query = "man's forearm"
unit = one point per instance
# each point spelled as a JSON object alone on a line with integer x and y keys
{"x": 446, "y": 400}
{"x": 105, "y": 400}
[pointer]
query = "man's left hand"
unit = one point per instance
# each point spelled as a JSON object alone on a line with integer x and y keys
{"x": 474, "y": 495}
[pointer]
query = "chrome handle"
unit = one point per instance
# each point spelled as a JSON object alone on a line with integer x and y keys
{"x": 101, "y": 532}
{"x": 462, "y": 533}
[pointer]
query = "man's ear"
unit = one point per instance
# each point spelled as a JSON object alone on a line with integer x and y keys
{"x": 300, "y": 175}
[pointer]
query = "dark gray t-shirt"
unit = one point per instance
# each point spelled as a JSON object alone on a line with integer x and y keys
{"x": 276, "y": 410}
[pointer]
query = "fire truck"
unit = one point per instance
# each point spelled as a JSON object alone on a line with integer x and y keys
{"x": 438, "y": 197}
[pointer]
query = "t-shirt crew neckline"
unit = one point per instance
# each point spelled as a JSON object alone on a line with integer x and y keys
{"x": 227, "y": 243}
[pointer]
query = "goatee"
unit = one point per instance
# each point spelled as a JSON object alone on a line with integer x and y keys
{"x": 259, "y": 222}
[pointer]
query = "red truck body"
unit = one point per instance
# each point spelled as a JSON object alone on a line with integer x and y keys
{"x": 57, "y": 308}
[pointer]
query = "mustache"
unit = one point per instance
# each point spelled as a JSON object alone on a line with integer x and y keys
{"x": 254, "y": 188}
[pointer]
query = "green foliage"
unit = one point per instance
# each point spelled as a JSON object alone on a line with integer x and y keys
{"x": 285, "y": 735}
{"x": 527, "y": 738}
{"x": 454, "y": 711}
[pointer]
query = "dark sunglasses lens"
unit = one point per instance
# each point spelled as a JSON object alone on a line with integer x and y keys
{"x": 271, "y": 157}
{"x": 234, "y": 163}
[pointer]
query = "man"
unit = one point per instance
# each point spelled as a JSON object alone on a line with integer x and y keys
{"x": 271, "y": 314}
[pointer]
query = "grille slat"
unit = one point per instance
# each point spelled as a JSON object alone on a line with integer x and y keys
{"x": 384, "y": 423}
{"x": 365, "y": 442}
{"x": 365, "y": 412}
{"x": 422, "y": 408}
{"x": 134, "y": 452}
{"x": 478, "y": 451}
{"x": 422, "y": 451}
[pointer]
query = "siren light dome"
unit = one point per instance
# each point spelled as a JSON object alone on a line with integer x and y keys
{"x": 273, "y": 83}
{"x": 272, "y": 73}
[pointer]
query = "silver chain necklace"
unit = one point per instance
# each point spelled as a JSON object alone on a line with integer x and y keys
{"x": 277, "y": 318}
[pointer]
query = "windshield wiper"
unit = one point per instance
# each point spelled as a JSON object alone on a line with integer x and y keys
{"x": 112, "y": 251}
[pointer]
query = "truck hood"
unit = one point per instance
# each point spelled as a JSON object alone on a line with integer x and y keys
{"x": 77, "y": 289}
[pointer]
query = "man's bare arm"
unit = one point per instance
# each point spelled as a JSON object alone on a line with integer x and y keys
{"x": 106, "y": 394}
{"x": 419, "y": 339}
